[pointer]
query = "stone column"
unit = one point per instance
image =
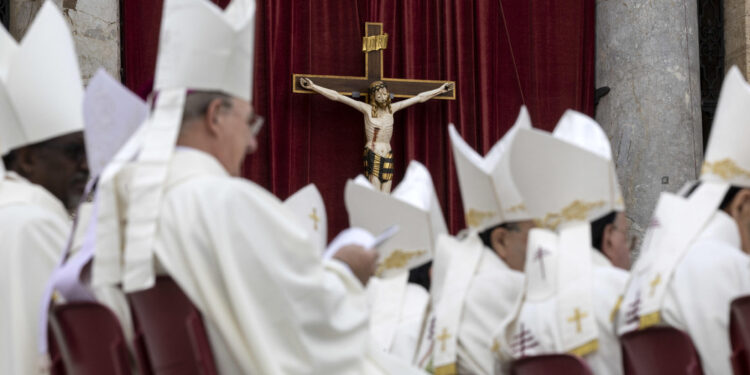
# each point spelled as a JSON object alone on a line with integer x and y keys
{"x": 647, "y": 53}
{"x": 95, "y": 25}
{"x": 736, "y": 36}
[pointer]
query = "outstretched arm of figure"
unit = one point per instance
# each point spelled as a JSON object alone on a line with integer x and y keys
{"x": 333, "y": 95}
{"x": 421, "y": 97}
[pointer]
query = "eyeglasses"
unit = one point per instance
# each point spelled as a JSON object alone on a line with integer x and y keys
{"x": 256, "y": 123}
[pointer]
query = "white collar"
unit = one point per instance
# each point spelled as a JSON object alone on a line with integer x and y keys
{"x": 598, "y": 259}
{"x": 721, "y": 227}
{"x": 188, "y": 162}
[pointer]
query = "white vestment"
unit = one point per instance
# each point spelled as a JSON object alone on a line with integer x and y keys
{"x": 398, "y": 311}
{"x": 489, "y": 298}
{"x": 536, "y": 330}
{"x": 492, "y": 294}
{"x": 712, "y": 273}
{"x": 270, "y": 306}
{"x": 34, "y": 228}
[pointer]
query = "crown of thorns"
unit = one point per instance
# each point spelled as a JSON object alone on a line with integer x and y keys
{"x": 377, "y": 87}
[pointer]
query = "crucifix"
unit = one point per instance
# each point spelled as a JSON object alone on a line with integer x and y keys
{"x": 377, "y": 109}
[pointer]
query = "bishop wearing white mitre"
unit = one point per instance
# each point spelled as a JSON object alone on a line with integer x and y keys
{"x": 695, "y": 260}
{"x": 43, "y": 176}
{"x": 477, "y": 278}
{"x": 271, "y": 306}
{"x": 112, "y": 114}
{"x": 568, "y": 182}
{"x": 398, "y": 307}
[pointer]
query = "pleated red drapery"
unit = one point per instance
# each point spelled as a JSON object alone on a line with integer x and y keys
{"x": 501, "y": 55}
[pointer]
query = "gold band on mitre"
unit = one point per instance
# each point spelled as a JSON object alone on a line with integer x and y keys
{"x": 725, "y": 168}
{"x": 474, "y": 217}
{"x": 398, "y": 259}
{"x": 578, "y": 210}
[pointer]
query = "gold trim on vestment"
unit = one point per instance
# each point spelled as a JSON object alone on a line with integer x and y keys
{"x": 649, "y": 320}
{"x": 615, "y": 310}
{"x": 578, "y": 210}
{"x": 725, "y": 168}
{"x": 586, "y": 348}
{"x": 516, "y": 208}
{"x": 398, "y": 259}
{"x": 446, "y": 370}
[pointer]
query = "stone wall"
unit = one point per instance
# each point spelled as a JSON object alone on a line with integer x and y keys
{"x": 647, "y": 53}
{"x": 95, "y": 25}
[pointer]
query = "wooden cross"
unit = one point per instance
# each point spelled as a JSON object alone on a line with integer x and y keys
{"x": 373, "y": 44}
{"x": 539, "y": 255}
{"x": 314, "y": 217}
{"x": 443, "y": 337}
{"x": 577, "y": 319}
{"x": 654, "y": 283}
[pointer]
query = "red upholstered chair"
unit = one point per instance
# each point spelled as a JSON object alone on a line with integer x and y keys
{"x": 89, "y": 339}
{"x": 739, "y": 333}
{"x": 56, "y": 363}
{"x": 659, "y": 350}
{"x": 558, "y": 364}
{"x": 169, "y": 334}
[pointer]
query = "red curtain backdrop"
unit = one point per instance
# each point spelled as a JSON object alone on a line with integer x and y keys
{"x": 502, "y": 54}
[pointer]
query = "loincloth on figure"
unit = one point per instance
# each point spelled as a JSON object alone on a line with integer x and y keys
{"x": 378, "y": 166}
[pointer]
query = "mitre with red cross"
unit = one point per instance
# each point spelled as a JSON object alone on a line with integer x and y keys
{"x": 487, "y": 190}
{"x": 412, "y": 206}
{"x": 566, "y": 176}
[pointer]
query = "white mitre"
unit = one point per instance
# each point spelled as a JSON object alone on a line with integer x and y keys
{"x": 679, "y": 219}
{"x": 203, "y": 48}
{"x": 413, "y": 206}
{"x": 727, "y": 157}
{"x": 111, "y": 115}
{"x": 487, "y": 190}
{"x": 307, "y": 205}
{"x": 568, "y": 176}
{"x": 40, "y": 84}
{"x": 567, "y": 180}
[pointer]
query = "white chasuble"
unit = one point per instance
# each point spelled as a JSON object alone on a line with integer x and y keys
{"x": 269, "y": 303}
{"x": 567, "y": 303}
{"x": 34, "y": 228}
{"x": 397, "y": 314}
{"x": 696, "y": 299}
{"x": 690, "y": 271}
{"x": 476, "y": 292}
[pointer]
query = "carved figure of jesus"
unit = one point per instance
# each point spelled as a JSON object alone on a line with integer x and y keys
{"x": 377, "y": 156}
